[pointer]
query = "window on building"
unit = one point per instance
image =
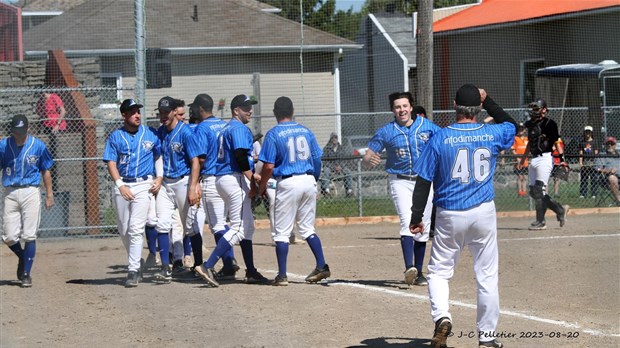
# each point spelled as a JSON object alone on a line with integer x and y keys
{"x": 114, "y": 95}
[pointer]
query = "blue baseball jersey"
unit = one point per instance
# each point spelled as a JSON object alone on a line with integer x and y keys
{"x": 403, "y": 144}
{"x": 207, "y": 133}
{"x": 134, "y": 154}
{"x": 460, "y": 161}
{"x": 178, "y": 147}
{"x": 292, "y": 148}
{"x": 235, "y": 135}
{"x": 22, "y": 165}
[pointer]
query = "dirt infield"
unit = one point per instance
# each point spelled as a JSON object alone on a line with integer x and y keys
{"x": 558, "y": 288}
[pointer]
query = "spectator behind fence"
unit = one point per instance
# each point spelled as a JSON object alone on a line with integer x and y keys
{"x": 560, "y": 167}
{"x": 607, "y": 168}
{"x": 518, "y": 148}
{"x": 51, "y": 111}
{"x": 587, "y": 148}
{"x": 333, "y": 164}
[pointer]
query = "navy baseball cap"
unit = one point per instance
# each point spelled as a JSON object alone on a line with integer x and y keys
{"x": 19, "y": 125}
{"x": 539, "y": 103}
{"x": 468, "y": 95}
{"x": 204, "y": 100}
{"x": 242, "y": 100}
{"x": 130, "y": 103}
{"x": 167, "y": 104}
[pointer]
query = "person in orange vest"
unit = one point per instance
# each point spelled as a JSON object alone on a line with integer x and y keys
{"x": 560, "y": 168}
{"x": 518, "y": 148}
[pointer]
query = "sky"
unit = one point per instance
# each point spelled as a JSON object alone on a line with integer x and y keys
{"x": 345, "y": 5}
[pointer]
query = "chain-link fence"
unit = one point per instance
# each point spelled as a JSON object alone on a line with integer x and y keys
{"x": 83, "y": 189}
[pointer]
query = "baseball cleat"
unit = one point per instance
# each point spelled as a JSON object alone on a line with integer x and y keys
{"x": 562, "y": 217}
{"x": 539, "y": 225}
{"x": 443, "y": 328}
{"x": 420, "y": 280}
{"x": 494, "y": 343}
{"x": 132, "y": 279}
{"x": 164, "y": 274}
{"x": 208, "y": 275}
{"x": 255, "y": 277}
{"x": 280, "y": 281}
{"x": 227, "y": 273}
{"x": 318, "y": 274}
{"x": 26, "y": 281}
{"x": 20, "y": 268}
{"x": 410, "y": 275}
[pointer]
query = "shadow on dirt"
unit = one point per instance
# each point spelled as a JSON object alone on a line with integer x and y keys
{"x": 394, "y": 342}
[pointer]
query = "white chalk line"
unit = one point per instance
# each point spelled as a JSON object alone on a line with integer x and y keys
{"x": 560, "y": 323}
{"x": 582, "y": 236}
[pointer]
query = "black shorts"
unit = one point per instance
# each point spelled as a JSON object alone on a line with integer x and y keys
{"x": 560, "y": 172}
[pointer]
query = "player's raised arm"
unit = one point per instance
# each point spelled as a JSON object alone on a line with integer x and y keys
{"x": 497, "y": 112}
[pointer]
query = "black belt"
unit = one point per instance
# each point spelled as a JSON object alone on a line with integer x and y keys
{"x": 171, "y": 178}
{"x": 291, "y": 175}
{"x": 138, "y": 179}
{"x": 407, "y": 177}
{"x": 22, "y": 186}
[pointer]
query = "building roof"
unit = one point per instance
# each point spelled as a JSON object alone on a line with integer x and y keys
{"x": 399, "y": 29}
{"x": 230, "y": 24}
{"x": 48, "y": 5}
{"x": 501, "y": 12}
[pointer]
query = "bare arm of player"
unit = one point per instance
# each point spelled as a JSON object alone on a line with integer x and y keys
{"x": 49, "y": 194}
{"x": 123, "y": 189}
{"x": 264, "y": 178}
{"x": 159, "y": 175}
{"x": 371, "y": 159}
{"x": 193, "y": 194}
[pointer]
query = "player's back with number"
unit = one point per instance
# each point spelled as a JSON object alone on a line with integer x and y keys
{"x": 293, "y": 148}
{"x": 235, "y": 135}
{"x": 464, "y": 156}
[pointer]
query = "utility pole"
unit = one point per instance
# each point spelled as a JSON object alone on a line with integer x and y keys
{"x": 424, "y": 56}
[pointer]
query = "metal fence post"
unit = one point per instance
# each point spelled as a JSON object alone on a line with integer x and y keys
{"x": 360, "y": 208}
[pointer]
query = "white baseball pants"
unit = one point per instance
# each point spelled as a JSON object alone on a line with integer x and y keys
{"x": 22, "y": 214}
{"x": 401, "y": 191}
{"x": 233, "y": 189}
{"x": 475, "y": 228}
{"x": 295, "y": 202}
{"x": 131, "y": 219}
{"x": 213, "y": 204}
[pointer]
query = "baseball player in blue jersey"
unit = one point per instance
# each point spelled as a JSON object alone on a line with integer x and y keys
{"x": 235, "y": 184}
{"x": 207, "y": 132}
{"x": 179, "y": 153}
{"x": 292, "y": 155}
{"x": 542, "y": 133}
{"x": 132, "y": 155}
{"x": 24, "y": 161}
{"x": 460, "y": 161}
{"x": 404, "y": 139}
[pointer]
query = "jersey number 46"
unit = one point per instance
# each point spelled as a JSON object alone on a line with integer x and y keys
{"x": 479, "y": 166}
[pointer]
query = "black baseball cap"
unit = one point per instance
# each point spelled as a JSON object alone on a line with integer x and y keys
{"x": 539, "y": 103}
{"x": 204, "y": 100}
{"x": 418, "y": 110}
{"x": 468, "y": 95}
{"x": 167, "y": 104}
{"x": 242, "y": 100}
{"x": 283, "y": 106}
{"x": 19, "y": 125}
{"x": 130, "y": 103}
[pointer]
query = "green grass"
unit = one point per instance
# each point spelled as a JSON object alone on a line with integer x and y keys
{"x": 506, "y": 199}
